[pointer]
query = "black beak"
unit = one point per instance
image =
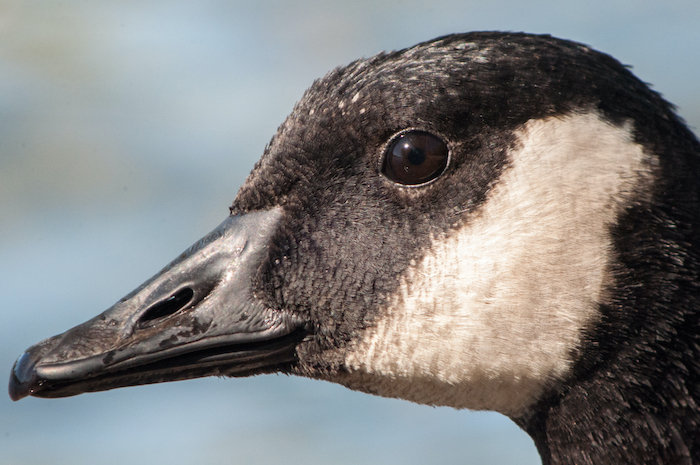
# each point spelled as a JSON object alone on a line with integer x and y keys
{"x": 197, "y": 317}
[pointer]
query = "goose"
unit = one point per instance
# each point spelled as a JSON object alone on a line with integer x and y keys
{"x": 490, "y": 221}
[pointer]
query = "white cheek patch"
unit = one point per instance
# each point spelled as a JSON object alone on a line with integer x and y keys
{"x": 489, "y": 317}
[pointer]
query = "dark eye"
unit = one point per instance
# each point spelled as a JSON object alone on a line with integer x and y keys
{"x": 415, "y": 157}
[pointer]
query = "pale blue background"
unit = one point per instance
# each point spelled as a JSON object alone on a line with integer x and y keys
{"x": 126, "y": 128}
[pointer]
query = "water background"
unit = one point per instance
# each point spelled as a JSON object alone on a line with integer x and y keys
{"x": 126, "y": 128}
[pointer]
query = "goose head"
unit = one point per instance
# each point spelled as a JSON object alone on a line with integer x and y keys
{"x": 488, "y": 221}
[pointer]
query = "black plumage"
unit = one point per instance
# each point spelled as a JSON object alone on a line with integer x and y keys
{"x": 345, "y": 236}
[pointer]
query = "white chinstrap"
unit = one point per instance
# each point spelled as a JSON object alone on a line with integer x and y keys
{"x": 489, "y": 318}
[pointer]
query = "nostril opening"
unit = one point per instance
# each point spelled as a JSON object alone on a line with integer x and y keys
{"x": 168, "y": 306}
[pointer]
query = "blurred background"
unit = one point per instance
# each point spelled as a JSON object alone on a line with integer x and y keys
{"x": 126, "y": 128}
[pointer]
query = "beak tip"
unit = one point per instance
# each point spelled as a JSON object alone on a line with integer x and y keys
{"x": 23, "y": 378}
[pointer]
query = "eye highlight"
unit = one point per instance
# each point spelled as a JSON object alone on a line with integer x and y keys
{"x": 414, "y": 158}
